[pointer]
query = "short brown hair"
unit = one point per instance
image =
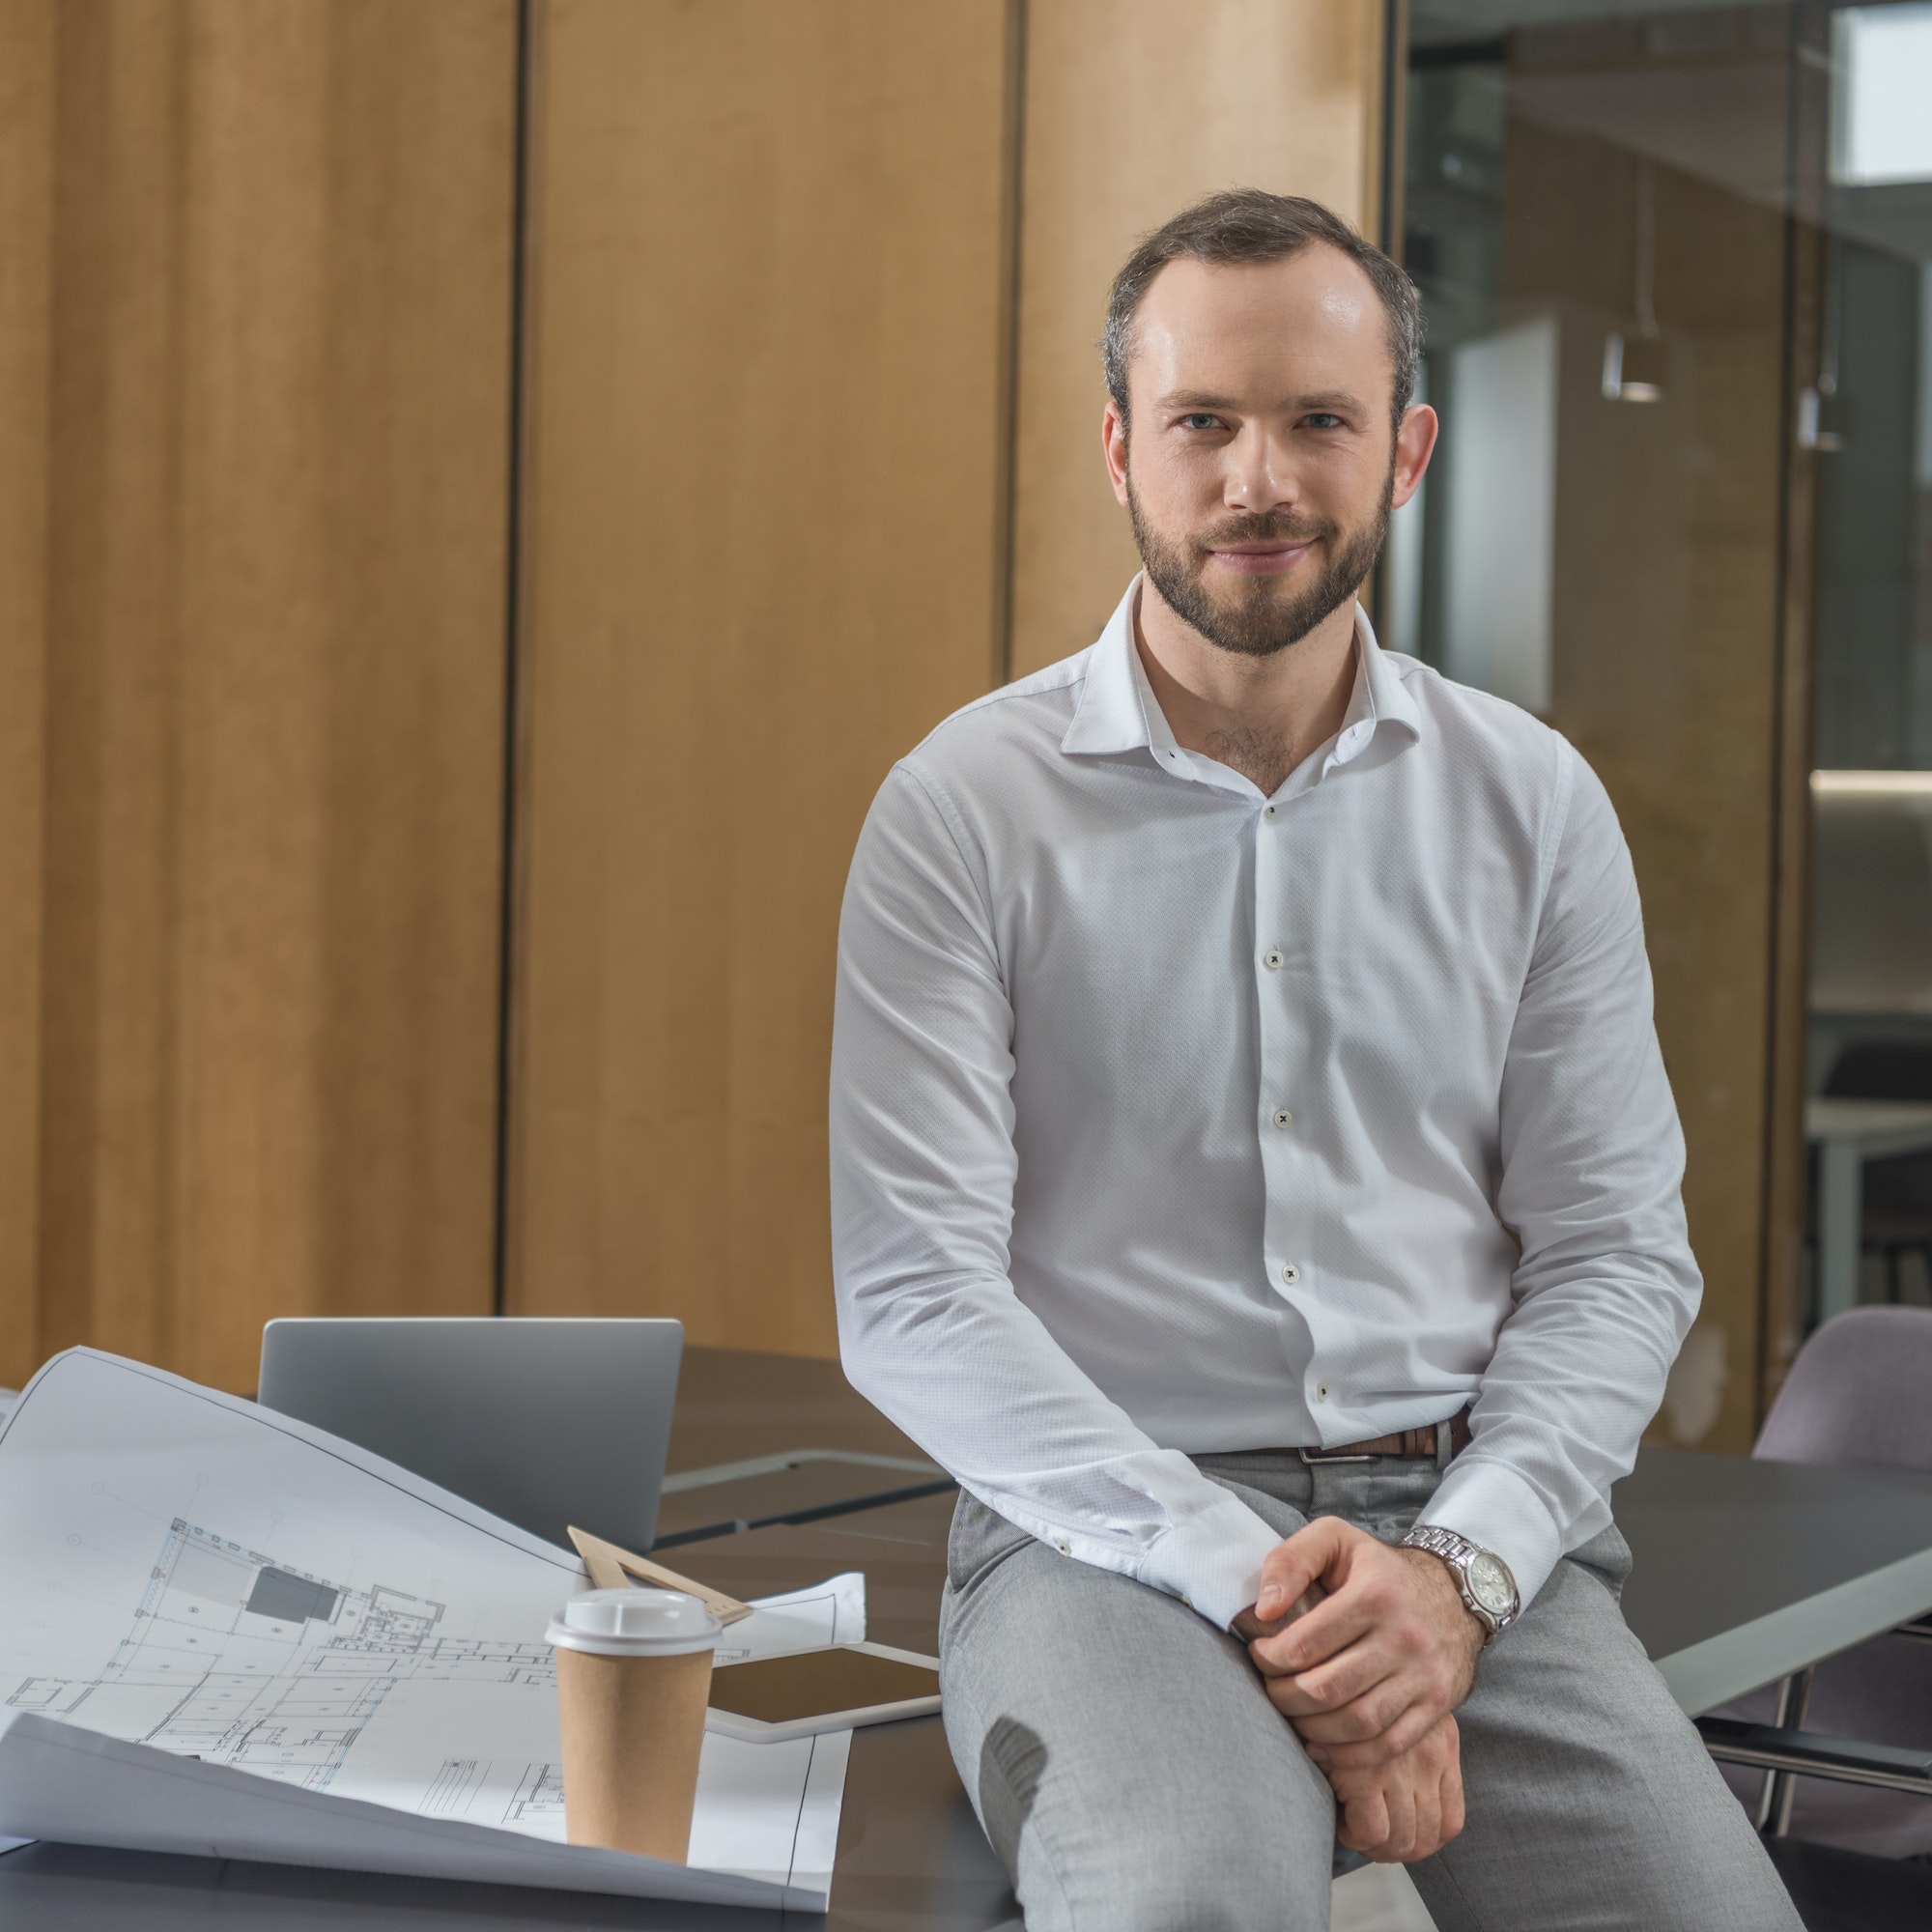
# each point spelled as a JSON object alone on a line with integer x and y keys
{"x": 1248, "y": 224}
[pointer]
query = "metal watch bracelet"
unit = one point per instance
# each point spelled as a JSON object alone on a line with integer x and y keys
{"x": 1461, "y": 1555}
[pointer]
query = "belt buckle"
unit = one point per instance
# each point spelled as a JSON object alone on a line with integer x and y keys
{"x": 1313, "y": 1457}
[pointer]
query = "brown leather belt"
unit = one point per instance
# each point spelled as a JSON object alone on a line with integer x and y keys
{"x": 1407, "y": 1442}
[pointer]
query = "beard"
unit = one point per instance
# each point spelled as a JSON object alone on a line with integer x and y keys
{"x": 1257, "y": 616}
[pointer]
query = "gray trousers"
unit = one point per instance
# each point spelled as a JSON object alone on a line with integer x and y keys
{"x": 1134, "y": 1776}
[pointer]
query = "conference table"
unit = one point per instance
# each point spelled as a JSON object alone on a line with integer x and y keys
{"x": 1745, "y": 1572}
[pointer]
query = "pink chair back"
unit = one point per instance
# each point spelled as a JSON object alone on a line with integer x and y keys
{"x": 1859, "y": 1394}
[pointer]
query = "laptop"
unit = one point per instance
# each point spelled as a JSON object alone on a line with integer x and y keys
{"x": 544, "y": 1422}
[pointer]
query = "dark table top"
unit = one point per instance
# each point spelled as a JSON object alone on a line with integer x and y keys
{"x": 1741, "y": 1567}
{"x": 732, "y": 1403}
{"x": 1746, "y": 1571}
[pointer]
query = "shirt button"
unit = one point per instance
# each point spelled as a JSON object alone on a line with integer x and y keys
{"x": 1289, "y": 1273}
{"x": 1065, "y": 1548}
{"x": 1272, "y": 958}
{"x": 1270, "y": 811}
{"x": 1283, "y": 1117}
{"x": 1320, "y": 1391}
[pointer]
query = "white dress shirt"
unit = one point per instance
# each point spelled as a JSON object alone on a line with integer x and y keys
{"x": 1168, "y": 1117}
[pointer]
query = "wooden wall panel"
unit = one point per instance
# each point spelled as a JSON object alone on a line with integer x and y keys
{"x": 1133, "y": 109}
{"x": 280, "y": 276}
{"x": 763, "y": 510}
{"x": 26, "y": 296}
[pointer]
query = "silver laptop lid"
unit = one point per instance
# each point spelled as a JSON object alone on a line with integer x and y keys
{"x": 545, "y": 1422}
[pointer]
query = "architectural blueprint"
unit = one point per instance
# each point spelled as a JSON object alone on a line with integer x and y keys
{"x": 196, "y": 1577}
{"x": 235, "y": 1658}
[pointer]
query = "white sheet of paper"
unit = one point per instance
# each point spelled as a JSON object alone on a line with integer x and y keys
{"x": 282, "y": 1632}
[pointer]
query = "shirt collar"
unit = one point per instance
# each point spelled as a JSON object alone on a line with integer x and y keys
{"x": 1380, "y": 697}
{"x": 1110, "y": 715}
{"x": 1117, "y": 711}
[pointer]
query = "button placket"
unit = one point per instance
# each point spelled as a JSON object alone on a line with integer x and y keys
{"x": 1278, "y": 1017}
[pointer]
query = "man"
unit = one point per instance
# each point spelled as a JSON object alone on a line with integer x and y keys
{"x": 1255, "y": 1177}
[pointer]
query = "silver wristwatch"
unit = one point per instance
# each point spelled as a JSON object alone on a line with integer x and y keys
{"x": 1489, "y": 1590}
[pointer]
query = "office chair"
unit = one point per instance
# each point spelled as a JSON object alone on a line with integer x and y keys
{"x": 1899, "y": 1191}
{"x": 1858, "y": 1397}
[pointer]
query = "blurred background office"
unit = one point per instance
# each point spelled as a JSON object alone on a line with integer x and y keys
{"x": 491, "y": 487}
{"x": 1676, "y": 265}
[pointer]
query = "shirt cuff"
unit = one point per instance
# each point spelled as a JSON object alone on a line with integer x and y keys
{"x": 1212, "y": 1561}
{"x": 1498, "y": 1510}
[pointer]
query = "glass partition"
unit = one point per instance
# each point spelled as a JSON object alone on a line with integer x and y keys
{"x": 1675, "y": 265}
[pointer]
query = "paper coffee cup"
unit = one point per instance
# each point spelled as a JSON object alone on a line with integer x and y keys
{"x": 633, "y": 1679}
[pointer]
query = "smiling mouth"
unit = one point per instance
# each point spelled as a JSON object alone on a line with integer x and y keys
{"x": 1264, "y": 559}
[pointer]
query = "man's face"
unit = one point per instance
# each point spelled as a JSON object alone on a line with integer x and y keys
{"x": 1262, "y": 463}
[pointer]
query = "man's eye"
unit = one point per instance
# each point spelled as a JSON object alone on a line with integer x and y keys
{"x": 1323, "y": 419}
{"x": 1199, "y": 421}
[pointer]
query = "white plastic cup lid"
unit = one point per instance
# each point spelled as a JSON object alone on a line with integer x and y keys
{"x": 634, "y": 1623}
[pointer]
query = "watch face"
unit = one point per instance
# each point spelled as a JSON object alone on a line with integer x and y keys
{"x": 1490, "y": 1584}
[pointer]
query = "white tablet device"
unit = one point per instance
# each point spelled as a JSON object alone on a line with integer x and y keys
{"x": 772, "y": 1698}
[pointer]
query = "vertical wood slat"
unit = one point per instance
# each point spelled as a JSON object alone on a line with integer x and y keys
{"x": 762, "y": 516}
{"x": 27, "y": 347}
{"x": 278, "y": 280}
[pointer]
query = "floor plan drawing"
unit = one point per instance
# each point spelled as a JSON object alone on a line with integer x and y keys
{"x": 221, "y": 1627}
{"x": 454, "y": 1786}
{"x": 235, "y": 1659}
{"x": 539, "y": 1796}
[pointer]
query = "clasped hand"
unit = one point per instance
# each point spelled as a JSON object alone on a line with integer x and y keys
{"x": 1367, "y": 1648}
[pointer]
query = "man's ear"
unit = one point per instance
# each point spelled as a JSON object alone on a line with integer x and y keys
{"x": 1414, "y": 444}
{"x": 1114, "y": 446}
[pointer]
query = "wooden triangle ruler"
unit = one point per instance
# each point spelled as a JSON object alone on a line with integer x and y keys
{"x": 613, "y": 1568}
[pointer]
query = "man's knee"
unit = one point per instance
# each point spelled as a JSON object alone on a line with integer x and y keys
{"x": 1122, "y": 1753}
{"x": 1154, "y": 1848}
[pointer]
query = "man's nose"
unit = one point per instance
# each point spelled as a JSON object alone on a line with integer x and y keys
{"x": 1260, "y": 476}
